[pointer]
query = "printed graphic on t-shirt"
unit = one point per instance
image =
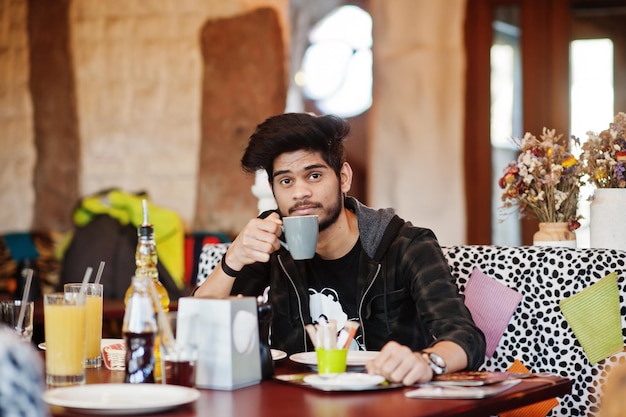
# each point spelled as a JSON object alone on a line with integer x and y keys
{"x": 326, "y": 304}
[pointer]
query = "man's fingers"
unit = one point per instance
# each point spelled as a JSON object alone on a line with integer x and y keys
{"x": 397, "y": 363}
{"x": 386, "y": 354}
{"x": 275, "y": 217}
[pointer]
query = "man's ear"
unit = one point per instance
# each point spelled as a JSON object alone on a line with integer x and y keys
{"x": 345, "y": 177}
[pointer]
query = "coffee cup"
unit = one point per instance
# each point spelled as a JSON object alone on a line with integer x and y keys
{"x": 301, "y": 236}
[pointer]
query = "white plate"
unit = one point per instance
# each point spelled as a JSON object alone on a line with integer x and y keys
{"x": 103, "y": 343}
{"x": 348, "y": 381}
{"x": 355, "y": 359}
{"x": 112, "y": 399}
{"x": 278, "y": 354}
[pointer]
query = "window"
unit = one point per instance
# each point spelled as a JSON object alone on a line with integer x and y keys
{"x": 506, "y": 118}
{"x": 592, "y": 103}
{"x": 336, "y": 69}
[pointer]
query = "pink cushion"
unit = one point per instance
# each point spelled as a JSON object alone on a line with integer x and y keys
{"x": 492, "y": 305}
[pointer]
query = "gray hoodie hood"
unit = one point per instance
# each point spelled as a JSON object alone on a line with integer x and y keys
{"x": 372, "y": 224}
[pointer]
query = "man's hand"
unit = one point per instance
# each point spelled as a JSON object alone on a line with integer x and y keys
{"x": 397, "y": 363}
{"x": 255, "y": 243}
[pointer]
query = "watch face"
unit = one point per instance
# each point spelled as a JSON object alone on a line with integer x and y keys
{"x": 437, "y": 360}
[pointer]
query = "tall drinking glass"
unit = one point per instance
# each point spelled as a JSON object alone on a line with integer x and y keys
{"x": 93, "y": 303}
{"x": 10, "y": 315}
{"x": 64, "y": 326}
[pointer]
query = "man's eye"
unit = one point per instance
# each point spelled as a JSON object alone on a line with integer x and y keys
{"x": 285, "y": 181}
{"x": 316, "y": 175}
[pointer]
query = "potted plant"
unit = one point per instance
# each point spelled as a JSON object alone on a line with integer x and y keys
{"x": 604, "y": 163}
{"x": 544, "y": 183}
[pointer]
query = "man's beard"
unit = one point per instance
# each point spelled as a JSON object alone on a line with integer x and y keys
{"x": 333, "y": 213}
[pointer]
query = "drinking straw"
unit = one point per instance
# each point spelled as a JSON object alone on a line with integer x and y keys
{"x": 99, "y": 273}
{"x": 348, "y": 331}
{"x": 144, "y": 206}
{"x": 312, "y": 332}
{"x": 331, "y": 337}
{"x": 327, "y": 334}
{"x": 83, "y": 287}
{"x": 29, "y": 279}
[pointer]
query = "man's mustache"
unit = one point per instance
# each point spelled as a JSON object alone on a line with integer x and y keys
{"x": 304, "y": 204}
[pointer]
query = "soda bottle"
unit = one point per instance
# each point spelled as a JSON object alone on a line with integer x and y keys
{"x": 140, "y": 329}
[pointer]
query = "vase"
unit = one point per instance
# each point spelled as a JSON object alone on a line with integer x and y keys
{"x": 554, "y": 234}
{"x": 607, "y": 224}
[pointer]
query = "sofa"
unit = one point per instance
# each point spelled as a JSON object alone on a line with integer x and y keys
{"x": 536, "y": 333}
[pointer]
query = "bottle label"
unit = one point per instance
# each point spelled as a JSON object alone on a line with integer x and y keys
{"x": 140, "y": 359}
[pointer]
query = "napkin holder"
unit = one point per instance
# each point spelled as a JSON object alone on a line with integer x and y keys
{"x": 227, "y": 336}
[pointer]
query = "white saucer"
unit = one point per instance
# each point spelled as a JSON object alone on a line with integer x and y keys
{"x": 357, "y": 359}
{"x": 112, "y": 399}
{"x": 278, "y": 354}
{"x": 348, "y": 381}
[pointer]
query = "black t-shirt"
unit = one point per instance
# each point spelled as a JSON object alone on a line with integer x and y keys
{"x": 332, "y": 287}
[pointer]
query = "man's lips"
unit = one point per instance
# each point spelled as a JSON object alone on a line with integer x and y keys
{"x": 302, "y": 210}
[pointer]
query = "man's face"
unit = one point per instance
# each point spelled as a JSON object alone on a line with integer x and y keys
{"x": 304, "y": 184}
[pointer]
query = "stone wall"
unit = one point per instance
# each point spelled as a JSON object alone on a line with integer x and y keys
{"x": 416, "y": 129}
{"x": 138, "y": 79}
{"x": 239, "y": 90}
{"x": 17, "y": 156}
{"x": 53, "y": 93}
{"x": 141, "y": 75}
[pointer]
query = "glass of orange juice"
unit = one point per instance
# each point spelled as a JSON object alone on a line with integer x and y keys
{"x": 93, "y": 358}
{"x": 64, "y": 327}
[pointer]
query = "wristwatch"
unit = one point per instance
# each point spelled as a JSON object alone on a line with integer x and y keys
{"x": 436, "y": 362}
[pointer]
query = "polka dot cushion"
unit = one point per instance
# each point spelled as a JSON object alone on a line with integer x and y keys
{"x": 210, "y": 256}
{"x": 538, "y": 334}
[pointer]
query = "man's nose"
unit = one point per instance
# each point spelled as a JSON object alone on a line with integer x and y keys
{"x": 301, "y": 190}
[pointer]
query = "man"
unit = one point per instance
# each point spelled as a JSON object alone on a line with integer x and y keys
{"x": 369, "y": 264}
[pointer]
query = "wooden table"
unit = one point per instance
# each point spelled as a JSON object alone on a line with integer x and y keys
{"x": 278, "y": 399}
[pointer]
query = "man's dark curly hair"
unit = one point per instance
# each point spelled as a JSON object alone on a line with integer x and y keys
{"x": 292, "y": 132}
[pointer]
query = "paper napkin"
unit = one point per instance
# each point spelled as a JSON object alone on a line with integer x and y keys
{"x": 539, "y": 409}
{"x": 492, "y": 305}
{"x": 594, "y": 316}
{"x": 114, "y": 356}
